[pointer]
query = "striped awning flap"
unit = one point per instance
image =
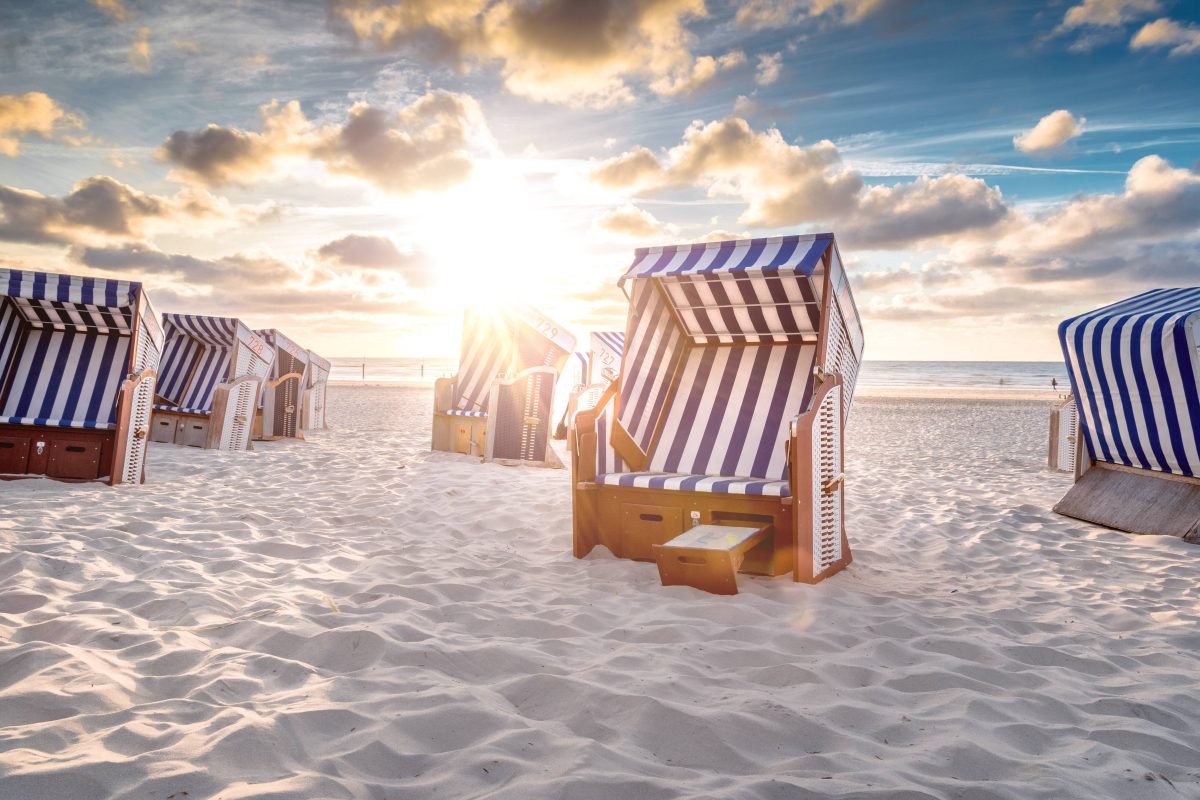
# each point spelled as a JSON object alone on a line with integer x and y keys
{"x": 100, "y": 292}
{"x": 62, "y": 315}
{"x": 741, "y": 291}
{"x": 1135, "y": 370}
{"x": 215, "y": 331}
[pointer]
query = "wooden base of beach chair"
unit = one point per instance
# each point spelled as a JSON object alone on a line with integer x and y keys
{"x": 706, "y": 557}
{"x": 67, "y": 454}
{"x": 631, "y": 521}
{"x": 188, "y": 430}
{"x": 1135, "y": 501}
{"x": 454, "y": 434}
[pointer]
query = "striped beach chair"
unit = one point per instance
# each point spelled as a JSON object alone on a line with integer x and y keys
{"x": 1135, "y": 375}
{"x": 279, "y": 410}
{"x": 719, "y": 447}
{"x": 499, "y": 405}
{"x": 213, "y": 370}
{"x": 79, "y": 359}
{"x": 313, "y": 415}
{"x": 601, "y": 365}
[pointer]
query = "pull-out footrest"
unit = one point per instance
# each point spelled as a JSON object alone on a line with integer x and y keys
{"x": 706, "y": 557}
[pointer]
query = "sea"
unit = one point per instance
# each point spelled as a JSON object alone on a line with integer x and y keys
{"x": 901, "y": 374}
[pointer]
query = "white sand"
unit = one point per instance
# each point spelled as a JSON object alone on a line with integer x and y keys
{"x": 354, "y": 617}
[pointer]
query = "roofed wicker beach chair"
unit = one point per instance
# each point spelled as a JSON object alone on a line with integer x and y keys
{"x": 213, "y": 370}
{"x": 279, "y": 410}
{"x": 499, "y": 405}
{"x": 601, "y": 366}
{"x": 78, "y": 362}
{"x": 313, "y": 416}
{"x": 1135, "y": 374}
{"x": 719, "y": 448}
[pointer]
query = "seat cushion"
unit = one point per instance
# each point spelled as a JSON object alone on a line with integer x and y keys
{"x": 455, "y": 412}
{"x": 696, "y": 483}
{"x": 182, "y": 409}
{"x": 60, "y": 423}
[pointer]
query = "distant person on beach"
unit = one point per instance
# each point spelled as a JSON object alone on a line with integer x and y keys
{"x": 1054, "y": 384}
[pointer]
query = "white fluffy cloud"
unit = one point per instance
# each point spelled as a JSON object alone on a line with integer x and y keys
{"x": 784, "y": 184}
{"x": 427, "y": 145}
{"x": 630, "y": 221}
{"x": 770, "y": 66}
{"x": 1167, "y": 33}
{"x": 33, "y": 113}
{"x": 560, "y": 51}
{"x": 1052, "y": 131}
{"x": 1107, "y": 13}
{"x": 102, "y": 209}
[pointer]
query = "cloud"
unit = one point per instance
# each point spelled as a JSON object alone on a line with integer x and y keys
{"x": 113, "y": 8}
{"x": 704, "y": 70}
{"x": 377, "y": 253}
{"x": 776, "y": 13}
{"x": 1052, "y": 131}
{"x": 558, "y": 51}
{"x": 630, "y": 221}
{"x": 1159, "y": 200}
{"x": 426, "y": 145}
{"x": 248, "y": 283}
{"x": 32, "y": 113}
{"x": 1182, "y": 39}
{"x": 770, "y": 65}
{"x": 1106, "y": 13}
{"x": 139, "y": 51}
{"x": 784, "y": 184}
{"x": 927, "y": 208}
{"x": 104, "y": 209}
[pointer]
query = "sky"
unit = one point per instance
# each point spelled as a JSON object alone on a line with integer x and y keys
{"x": 353, "y": 172}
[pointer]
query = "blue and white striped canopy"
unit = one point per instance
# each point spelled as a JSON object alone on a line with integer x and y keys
{"x": 1135, "y": 370}
{"x": 74, "y": 354}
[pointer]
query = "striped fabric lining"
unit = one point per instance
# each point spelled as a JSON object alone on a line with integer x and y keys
{"x": 62, "y": 316}
{"x": 487, "y": 352}
{"x": 10, "y": 331}
{"x": 797, "y": 254}
{"x": 67, "y": 379}
{"x": 495, "y": 344}
{"x": 613, "y": 340}
{"x": 195, "y": 359}
{"x": 730, "y": 412}
{"x": 184, "y": 409}
{"x": 740, "y": 308}
{"x": 607, "y": 460}
{"x": 454, "y": 412}
{"x": 697, "y": 483}
{"x": 1135, "y": 367}
{"x": 653, "y": 351}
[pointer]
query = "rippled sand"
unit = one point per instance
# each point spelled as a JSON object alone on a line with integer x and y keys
{"x": 354, "y": 617}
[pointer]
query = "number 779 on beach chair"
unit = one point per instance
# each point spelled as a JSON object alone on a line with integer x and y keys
{"x": 719, "y": 448}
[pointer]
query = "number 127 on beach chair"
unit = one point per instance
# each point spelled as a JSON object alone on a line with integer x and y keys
{"x": 719, "y": 448}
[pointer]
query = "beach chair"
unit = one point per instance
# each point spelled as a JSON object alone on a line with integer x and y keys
{"x": 719, "y": 448}
{"x": 213, "y": 370}
{"x": 1135, "y": 374}
{"x": 1064, "y": 435}
{"x": 313, "y": 415}
{"x": 78, "y": 362}
{"x": 601, "y": 366}
{"x": 499, "y": 405}
{"x": 279, "y": 410}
